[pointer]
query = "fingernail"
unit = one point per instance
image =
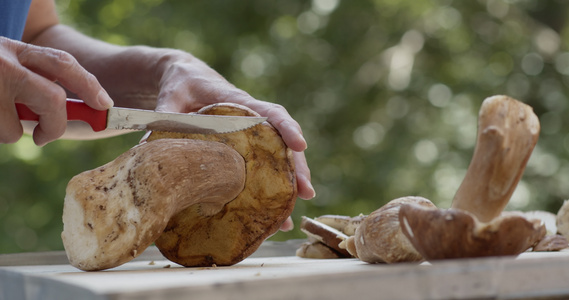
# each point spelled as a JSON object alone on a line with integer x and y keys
{"x": 104, "y": 99}
{"x": 305, "y": 143}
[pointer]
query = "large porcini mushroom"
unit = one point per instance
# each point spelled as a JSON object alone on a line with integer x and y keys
{"x": 192, "y": 238}
{"x": 113, "y": 213}
{"x": 507, "y": 133}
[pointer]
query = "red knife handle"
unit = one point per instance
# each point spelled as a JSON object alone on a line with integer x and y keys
{"x": 76, "y": 111}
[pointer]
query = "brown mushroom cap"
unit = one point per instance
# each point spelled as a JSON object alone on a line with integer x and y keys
{"x": 317, "y": 250}
{"x": 195, "y": 239}
{"x": 454, "y": 233}
{"x": 345, "y": 224}
{"x": 379, "y": 238}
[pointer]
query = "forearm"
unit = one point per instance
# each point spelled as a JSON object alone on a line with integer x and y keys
{"x": 128, "y": 74}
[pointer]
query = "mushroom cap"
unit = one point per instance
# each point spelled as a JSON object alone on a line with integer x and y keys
{"x": 345, "y": 224}
{"x": 195, "y": 238}
{"x": 552, "y": 242}
{"x": 316, "y": 250}
{"x": 454, "y": 233}
{"x": 379, "y": 237}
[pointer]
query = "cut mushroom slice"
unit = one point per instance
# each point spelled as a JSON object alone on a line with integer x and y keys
{"x": 317, "y": 250}
{"x": 324, "y": 234}
{"x": 552, "y": 242}
{"x": 345, "y": 224}
{"x": 453, "y": 233}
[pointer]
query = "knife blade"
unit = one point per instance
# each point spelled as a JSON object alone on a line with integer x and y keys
{"x": 139, "y": 119}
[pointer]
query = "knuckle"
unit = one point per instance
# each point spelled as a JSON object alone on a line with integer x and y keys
{"x": 54, "y": 100}
{"x": 92, "y": 81}
{"x": 274, "y": 110}
{"x": 56, "y": 97}
{"x": 11, "y": 136}
{"x": 63, "y": 59}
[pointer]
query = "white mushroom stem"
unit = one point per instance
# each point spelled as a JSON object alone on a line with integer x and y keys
{"x": 114, "y": 212}
{"x": 507, "y": 133}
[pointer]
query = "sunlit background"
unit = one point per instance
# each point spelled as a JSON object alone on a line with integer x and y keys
{"x": 387, "y": 93}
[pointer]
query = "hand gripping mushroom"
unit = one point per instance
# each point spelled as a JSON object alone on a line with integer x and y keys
{"x": 475, "y": 225}
{"x": 203, "y": 199}
{"x": 194, "y": 239}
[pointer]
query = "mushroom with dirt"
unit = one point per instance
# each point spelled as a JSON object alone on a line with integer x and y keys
{"x": 113, "y": 213}
{"x": 203, "y": 199}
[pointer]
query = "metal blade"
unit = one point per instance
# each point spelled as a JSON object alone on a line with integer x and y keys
{"x": 137, "y": 119}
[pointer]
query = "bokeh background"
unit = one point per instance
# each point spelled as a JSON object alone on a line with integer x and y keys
{"x": 387, "y": 93}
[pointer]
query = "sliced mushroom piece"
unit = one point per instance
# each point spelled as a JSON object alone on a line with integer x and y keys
{"x": 552, "y": 242}
{"x": 113, "y": 213}
{"x": 192, "y": 238}
{"x": 324, "y": 234}
{"x": 317, "y": 250}
{"x": 507, "y": 133}
{"x": 345, "y": 224}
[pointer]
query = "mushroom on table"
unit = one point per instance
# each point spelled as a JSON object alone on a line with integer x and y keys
{"x": 475, "y": 224}
{"x": 203, "y": 199}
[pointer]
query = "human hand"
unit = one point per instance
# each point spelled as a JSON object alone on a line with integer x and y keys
{"x": 187, "y": 84}
{"x": 37, "y": 77}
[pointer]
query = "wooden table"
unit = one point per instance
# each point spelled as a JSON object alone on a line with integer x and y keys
{"x": 271, "y": 274}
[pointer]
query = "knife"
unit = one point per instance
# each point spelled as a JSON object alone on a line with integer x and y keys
{"x": 139, "y": 119}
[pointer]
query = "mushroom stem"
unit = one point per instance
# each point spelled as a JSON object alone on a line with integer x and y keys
{"x": 507, "y": 133}
{"x": 113, "y": 213}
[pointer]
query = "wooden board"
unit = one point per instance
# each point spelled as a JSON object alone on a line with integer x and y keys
{"x": 529, "y": 276}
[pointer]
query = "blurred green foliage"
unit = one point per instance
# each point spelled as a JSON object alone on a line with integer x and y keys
{"x": 387, "y": 93}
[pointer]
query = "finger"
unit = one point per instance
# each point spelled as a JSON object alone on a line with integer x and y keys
{"x": 12, "y": 129}
{"x": 289, "y": 129}
{"x": 166, "y": 103}
{"x": 60, "y": 66}
{"x": 287, "y": 225}
{"x": 303, "y": 181}
{"x": 47, "y": 100}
